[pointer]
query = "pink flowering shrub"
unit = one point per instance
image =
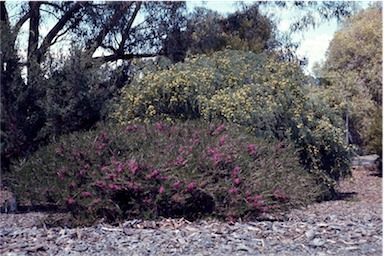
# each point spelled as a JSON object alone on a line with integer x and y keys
{"x": 146, "y": 171}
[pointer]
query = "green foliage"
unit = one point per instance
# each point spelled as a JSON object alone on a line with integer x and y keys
{"x": 70, "y": 96}
{"x": 247, "y": 30}
{"x": 21, "y": 117}
{"x": 76, "y": 93}
{"x": 375, "y": 133}
{"x": 265, "y": 96}
{"x": 353, "y": 71}
{"x": 354, "y": 51}
{"x": 188, "y": 170}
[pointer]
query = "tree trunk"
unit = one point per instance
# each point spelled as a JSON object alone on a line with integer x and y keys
{"x": 33, "y": 41}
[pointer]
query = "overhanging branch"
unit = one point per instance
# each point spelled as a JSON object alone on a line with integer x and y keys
{"x": 56, "y": 29}
{"x": 116, "y": 57}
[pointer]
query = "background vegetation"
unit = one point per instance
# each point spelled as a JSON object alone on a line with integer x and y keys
{"x": 352, "y": 76}
{"x": 80, "y": 130}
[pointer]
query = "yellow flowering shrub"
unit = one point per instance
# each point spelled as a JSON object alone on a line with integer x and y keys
{"x": 265, "y": 96}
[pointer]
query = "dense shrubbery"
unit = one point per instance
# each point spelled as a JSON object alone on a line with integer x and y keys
{"x": 352, "y": 74}
{"x": 70, "y": 96}
{"x": 375, "y": 133}
{"x": 147, "y": 171}
{"x": 265, "y": 96}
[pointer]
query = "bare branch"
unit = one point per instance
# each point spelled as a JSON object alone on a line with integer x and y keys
{"x": 20, "y": 23}
{"x": 129, "y": 26}
{"x": 97, "y": 41}
{"x": 109, "y": 47}
{"x": 51, "y": 13}
{"x": 56, "y": 29}
{"x": 54, "y": 5}
{"x": 71, "y": 26}
{"x": 116, "y": 57}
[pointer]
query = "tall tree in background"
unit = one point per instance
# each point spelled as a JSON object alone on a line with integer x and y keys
{"x": 246, "y": 30}
{"x": 353, "y": 74}
{"x": 253, "y": 27}
{"x": 118, "y": 30}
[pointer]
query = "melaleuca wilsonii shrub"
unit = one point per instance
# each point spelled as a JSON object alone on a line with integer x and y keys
{"x": 146, "y": 171}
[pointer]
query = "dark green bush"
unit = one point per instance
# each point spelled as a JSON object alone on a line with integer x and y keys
{"x": 375, "y": 133}
{"x": 146, "y": 171}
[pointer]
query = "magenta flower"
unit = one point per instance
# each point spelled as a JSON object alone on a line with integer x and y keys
{"x": 148, "y": 201}
{"x": 176, "y": 185}
{"x": 133, "y": 166}
{"x": 236, "y": 181}
{"x": 161, "y": 190}
{"x": 232, "y": 190}
{"x": 155, "y": 173}
{"x": 70, "y": 201}
{"x": 96, "y": 200}
{"x": 104, "y": 168}
{"x": 164, "y": 178}
{"x": 190, "y": 187}
{"x": 180, "y": 161}
{"x": 196, "y": 134}
{"x": 222, "y": 139}
{"x": 86, "y": 194}
{"x": 278, "y": 146}
{"x": 279, "y": 196}
{"x": 101, "y": 183}
{"x": 251, "y": 148}
{"x": 220, "y": 129}
{"x": 212, "y": 151}
{"x": 131, "y": 128}
{"x": 119, "y": 167}
{"x": 111, "y": 176}
{"x": 148, "y": 176}
{"x": 235, "y": 171}
{"x": 114, "y": 186}
{"x": 160, "y": 126}
{"x": 217, "y": 158}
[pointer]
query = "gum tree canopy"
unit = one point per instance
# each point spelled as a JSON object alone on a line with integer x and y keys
{"x": 124, "y": 29}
